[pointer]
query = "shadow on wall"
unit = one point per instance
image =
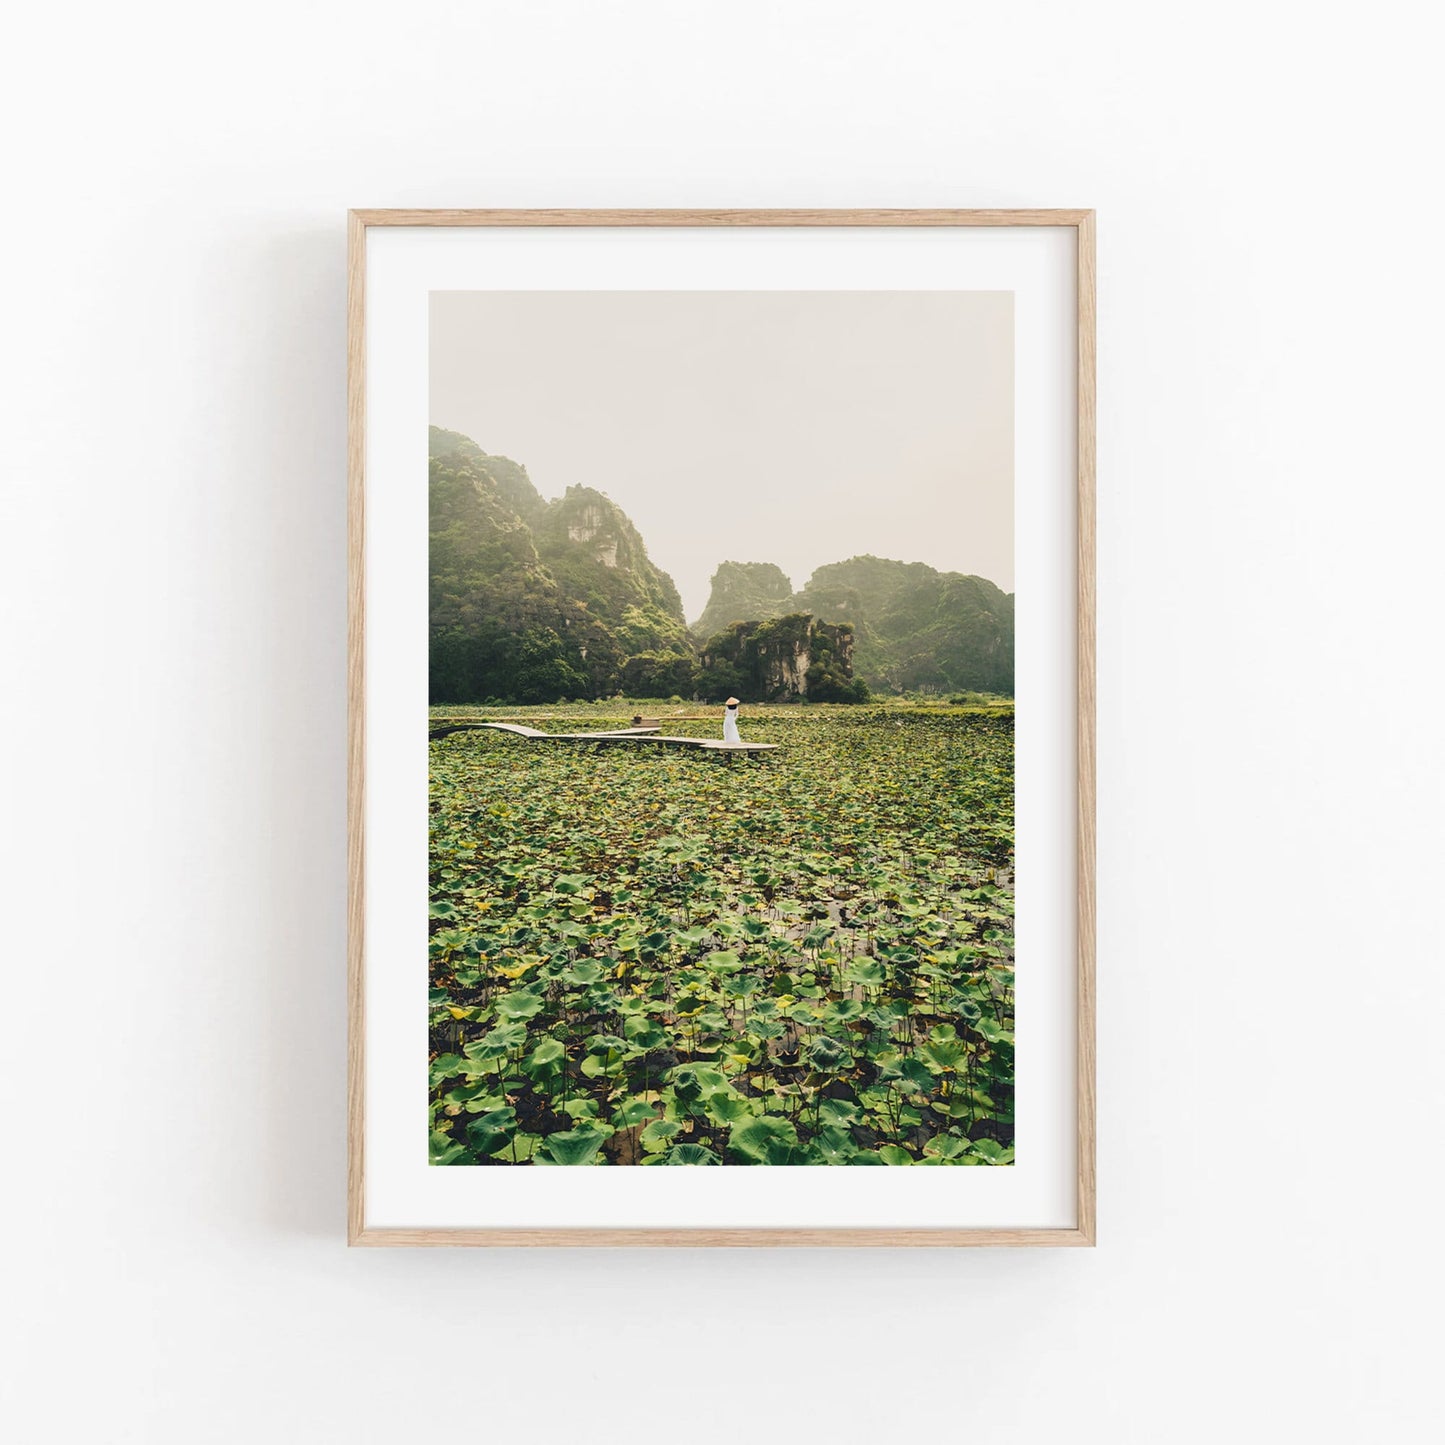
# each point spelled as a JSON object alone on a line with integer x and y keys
{"x": 288, "y": 706}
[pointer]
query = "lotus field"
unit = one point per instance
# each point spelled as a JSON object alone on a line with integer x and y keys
{"x": 646, "y": 955}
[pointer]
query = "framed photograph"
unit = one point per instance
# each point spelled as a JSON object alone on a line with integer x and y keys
{"x": 721, "y": 728}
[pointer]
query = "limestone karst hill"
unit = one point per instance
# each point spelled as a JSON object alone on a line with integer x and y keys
{"x": 744, "y": 592}
{"x": 534, "y": 600}
{"x": 783, "y": 659}
{"x": 914, "y": 628}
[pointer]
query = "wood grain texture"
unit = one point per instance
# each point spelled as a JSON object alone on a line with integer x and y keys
{"x": 357, "y": 1232}
{"x": 1087, "y": 421}
{"x": 721, "y": 218}
{"x": 723, "y": 1238}
{"x": 355, "y": 727}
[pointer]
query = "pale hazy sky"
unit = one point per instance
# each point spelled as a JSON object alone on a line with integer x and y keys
{"x": 796, "y": 427}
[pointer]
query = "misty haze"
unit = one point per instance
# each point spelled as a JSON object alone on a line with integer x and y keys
{"x": 795, "y": 428}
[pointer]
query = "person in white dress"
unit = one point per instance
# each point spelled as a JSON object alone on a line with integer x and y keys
{"x": 730, "y": 722}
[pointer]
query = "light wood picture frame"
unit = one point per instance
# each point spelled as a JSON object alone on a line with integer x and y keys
{"x": 361, "y": 1230}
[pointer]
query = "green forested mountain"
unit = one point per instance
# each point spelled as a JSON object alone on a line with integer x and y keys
{"x": 915, "y": 628}
{"x": 744, "y": 592}
{"x": 532, "y": 600}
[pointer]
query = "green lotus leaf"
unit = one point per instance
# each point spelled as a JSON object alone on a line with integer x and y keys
{"x": 992, "y": 1032}
{"x": 522, "y": 1147}
{"x": 838, "y": 1111}
{"x": 488, "y": 1133}
{"x": 497, "y": 1042}
{"x": 608, "y": 1044}
{"x": 955, "y": 1106}
{"x": 725, "y": 1107}
{"x": 692, "y": 1082}
{"x": 521, "y": 1004}
{"x": 889, "y": 1066}
{"x": 834, "y": 1145}
{"x": 467, "y": 1095}
{"x": 445, "y": 1066}
{"x": 632, "y": 1111}
{"x": 827, "y": 1054}
{"x": 573, "y": 1146}
{"x": 644, "y": 1033}
{"x": 943, "y": 1055}
{"x": 690, "y": 1154}
{"x": 659, "y": 1133}
{"x": 764, "y": 1140}
{"x": 946, "y": 1146}
{"x": 546, "y": 1055}
{"x": 992, "y": 1151}
{"x": 446, "y": 1150}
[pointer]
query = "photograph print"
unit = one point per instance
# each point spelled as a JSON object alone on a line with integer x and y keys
{"x": 721, "y": 728}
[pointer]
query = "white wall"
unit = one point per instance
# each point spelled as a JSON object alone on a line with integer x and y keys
{"x": 1271, "y": 786}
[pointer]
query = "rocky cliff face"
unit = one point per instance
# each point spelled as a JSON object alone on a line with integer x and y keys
{"x": 784, "y": 659}
{"x": 590, "y": 522}
{"x": 591, "y": 547}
